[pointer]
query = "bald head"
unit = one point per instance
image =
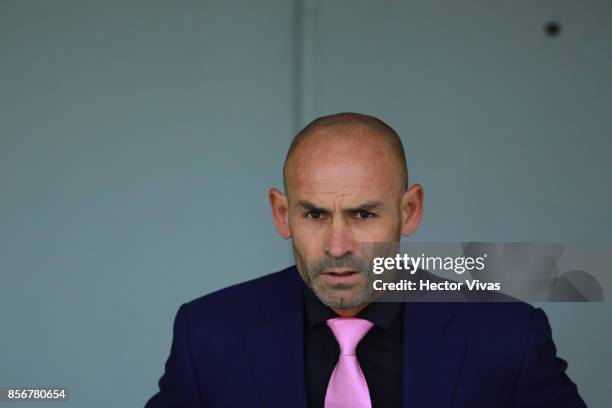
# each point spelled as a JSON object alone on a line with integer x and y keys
{"x": 362, "y": 133}
{"x": 345, "y": 185}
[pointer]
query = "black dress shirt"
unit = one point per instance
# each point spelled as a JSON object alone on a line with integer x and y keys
{"x": 380, "y": 352}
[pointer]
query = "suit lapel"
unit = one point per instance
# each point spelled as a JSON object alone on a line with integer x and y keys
{"x": 432, "y": 358}
{"x": 276, "y": 350}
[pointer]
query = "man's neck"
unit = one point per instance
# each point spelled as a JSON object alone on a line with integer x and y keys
{"x": 350, "y": 312}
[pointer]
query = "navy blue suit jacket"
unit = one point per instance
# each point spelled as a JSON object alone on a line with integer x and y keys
{"x": 243, "y": 347}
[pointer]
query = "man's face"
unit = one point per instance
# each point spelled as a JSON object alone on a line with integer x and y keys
{"x": 342, "y": 192}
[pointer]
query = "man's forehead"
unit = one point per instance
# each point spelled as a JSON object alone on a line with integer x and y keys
{"x": 342, "y": 174}
{"x": 346, "y": 191}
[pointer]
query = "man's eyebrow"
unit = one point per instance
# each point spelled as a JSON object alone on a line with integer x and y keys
{"x": 367, "y": 206}
{"x": 311, "y": 207}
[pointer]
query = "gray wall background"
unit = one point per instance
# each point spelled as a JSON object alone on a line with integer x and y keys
{"x": 138, "y": 141}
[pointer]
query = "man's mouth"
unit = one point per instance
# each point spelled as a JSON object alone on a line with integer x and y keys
{"x": 341, "y": 277}
{"x": 340, "y": 273}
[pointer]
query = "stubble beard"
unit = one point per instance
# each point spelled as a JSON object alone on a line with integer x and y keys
{"x": 339, "y": 296}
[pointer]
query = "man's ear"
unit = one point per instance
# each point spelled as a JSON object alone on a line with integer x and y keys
{"x": 411, "y": 209}
{"x": 280, "y": 212}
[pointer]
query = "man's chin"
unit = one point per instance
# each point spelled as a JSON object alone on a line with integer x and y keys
{"x": 341, "y": 296}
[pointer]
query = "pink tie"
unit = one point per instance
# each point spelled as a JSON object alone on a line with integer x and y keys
{"x": 347, "y": 386}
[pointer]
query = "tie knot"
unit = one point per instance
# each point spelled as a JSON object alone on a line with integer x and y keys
{"x": 348, "y": 332}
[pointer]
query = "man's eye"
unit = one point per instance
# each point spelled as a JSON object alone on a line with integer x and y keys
{"x": 315, "y": 215}
{"x": 365, "y": 215}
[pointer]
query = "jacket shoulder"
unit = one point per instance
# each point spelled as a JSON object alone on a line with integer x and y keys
{"x": 238, "y": 303}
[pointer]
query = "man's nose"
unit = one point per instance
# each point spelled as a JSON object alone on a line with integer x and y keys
{"x": 340, "y": 240}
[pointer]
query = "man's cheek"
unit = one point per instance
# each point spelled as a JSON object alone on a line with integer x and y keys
{"x": 381, "y": 234}
{"x": 311, "y": 248}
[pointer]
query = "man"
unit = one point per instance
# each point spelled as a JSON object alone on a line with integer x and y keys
{"x": 309, "y": 335}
